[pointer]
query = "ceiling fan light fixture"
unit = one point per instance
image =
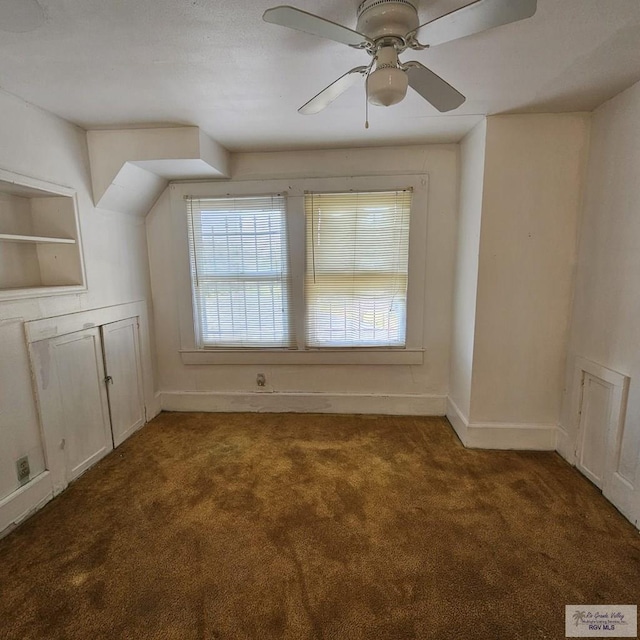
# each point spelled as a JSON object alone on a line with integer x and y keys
{"x": 388, "y": 84}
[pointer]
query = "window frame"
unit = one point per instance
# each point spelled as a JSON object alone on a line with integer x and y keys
{"x": 411, "y": 354}
{"x": 193, "y": 242}
{"x": 351, "y": 201}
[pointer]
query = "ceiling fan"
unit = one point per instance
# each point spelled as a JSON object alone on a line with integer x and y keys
{"x": 385, "y": 29}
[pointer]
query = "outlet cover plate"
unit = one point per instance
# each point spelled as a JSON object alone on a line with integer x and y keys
{"x": 23, "y": 469}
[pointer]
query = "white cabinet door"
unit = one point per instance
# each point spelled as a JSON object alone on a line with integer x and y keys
{"x": 74, "y": 412}
{"x": 594, "y": 421}
{"x": 600, "y": 399}
{"x": 124, "y": 376}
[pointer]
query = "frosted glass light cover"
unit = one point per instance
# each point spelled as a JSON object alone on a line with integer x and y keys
{"x": 387, "y": 86}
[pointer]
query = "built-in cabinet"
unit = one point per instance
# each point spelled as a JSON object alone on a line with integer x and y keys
{"x": 73, "y": 402}
{"x": 121, "y": 348}
{"x": 599, "y": 400}
{"x": 93, "y": 384}
{"x": 90, "y": 393}
{"x": 40, "y": 246}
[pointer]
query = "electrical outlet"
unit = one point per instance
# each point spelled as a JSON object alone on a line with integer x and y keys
{"x": 261, "y": 380}
{"x": 23, "y": 469}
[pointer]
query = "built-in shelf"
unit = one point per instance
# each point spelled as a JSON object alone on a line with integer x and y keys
{"x": 12, "y": 237}
{"x": 40, "y": 249}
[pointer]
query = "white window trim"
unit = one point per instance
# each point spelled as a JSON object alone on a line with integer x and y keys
{"x": 412, "y": 354}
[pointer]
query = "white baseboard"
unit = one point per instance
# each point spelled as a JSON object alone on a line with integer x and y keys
{"x": 565, "y": 446}
{"x": 458, "y": 420}
{"x": 21, "y": 503}
{"x": 499, "y": 435}
{"x": 617, "y": 489}
{"x": 154, "y": 407}
{"x": 415, "y": 405}
{"x": 527, "y": 437}
{"x": 623, "y": 495}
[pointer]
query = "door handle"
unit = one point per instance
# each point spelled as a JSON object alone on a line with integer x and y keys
{"x": 108, "y": 380}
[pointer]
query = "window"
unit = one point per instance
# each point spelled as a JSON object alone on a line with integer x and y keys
{"x": 327, "y": 270}
{"x": 356, "y": 275}
{"x": 239, "y": 271}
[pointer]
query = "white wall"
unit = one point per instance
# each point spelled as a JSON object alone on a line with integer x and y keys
{"x": 393, "y": 385}
{"x": 37, "y": 144}
{"x": 472, "y": 152}
{"x": 606, "y": 317}
{"x": 534, "y": 177}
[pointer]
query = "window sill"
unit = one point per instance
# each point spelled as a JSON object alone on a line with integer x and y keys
{"x": 293, "y": 357}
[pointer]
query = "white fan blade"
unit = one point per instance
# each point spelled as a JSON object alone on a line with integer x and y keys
{"x": 432, "y": 87}
{"x": 300, "y": 20}
{"x": 20, "y": 16}
{"x": 330, "y": 93}
{"x": 475, "y": 17}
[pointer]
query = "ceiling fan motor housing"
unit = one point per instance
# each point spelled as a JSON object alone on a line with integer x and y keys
{"x": 387, "y": 18}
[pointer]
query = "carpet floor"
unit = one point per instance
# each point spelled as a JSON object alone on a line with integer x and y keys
{"x": 265, "y": 526}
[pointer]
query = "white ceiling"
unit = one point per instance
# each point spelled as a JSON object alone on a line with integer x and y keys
{"x": 217, "y": 65}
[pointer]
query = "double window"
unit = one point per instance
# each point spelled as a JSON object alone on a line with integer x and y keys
{"x": 302, "y": 271}
{"x": 355, "y": 284}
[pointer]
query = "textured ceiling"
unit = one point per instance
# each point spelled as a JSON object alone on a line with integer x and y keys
{"x": 217, "y": 65}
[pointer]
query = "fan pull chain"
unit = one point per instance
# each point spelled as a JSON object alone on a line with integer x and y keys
{"x": 366, "y": 93}
{"x": 366, "y": 106}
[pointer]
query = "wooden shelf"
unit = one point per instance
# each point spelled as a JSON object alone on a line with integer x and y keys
{"x": 12, "y": 237}
{"x": 36, "y": 291}
{"x": 40, "y": 244}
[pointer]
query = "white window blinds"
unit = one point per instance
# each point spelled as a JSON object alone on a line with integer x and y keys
{"x": 239, "y": 271}
{"x": 356, "y": 273}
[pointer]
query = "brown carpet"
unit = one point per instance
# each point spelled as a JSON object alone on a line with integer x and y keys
{"x": 260, "y": 526}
